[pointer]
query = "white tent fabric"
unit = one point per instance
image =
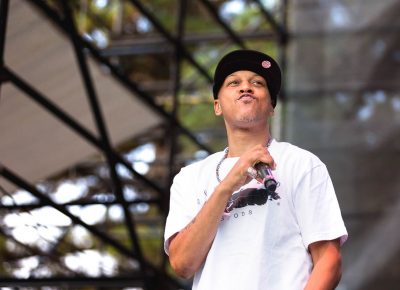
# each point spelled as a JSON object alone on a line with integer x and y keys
{"x": 33, "y": 142}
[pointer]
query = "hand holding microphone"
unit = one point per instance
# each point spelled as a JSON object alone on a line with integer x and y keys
{"x": 263, "y": 171}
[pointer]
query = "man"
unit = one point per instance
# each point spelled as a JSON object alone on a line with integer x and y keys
{"x": 224, "y": 227}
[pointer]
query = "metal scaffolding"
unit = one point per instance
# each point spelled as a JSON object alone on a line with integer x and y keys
{"x": 74, "y": 110}
{"x": 59, "y": 14}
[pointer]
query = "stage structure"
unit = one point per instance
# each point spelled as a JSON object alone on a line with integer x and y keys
{"x": 74, "y": 115}
{"x": 102, "y": 102}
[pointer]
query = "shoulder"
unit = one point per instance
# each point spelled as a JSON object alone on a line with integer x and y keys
{"x": 196, "y": 175}
{"x": 292, "y": 154}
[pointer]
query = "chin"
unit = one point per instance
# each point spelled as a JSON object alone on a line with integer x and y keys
{"x": 249, "y": 118}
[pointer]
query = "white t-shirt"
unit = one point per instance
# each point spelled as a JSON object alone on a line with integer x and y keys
{"x": 260, "y": 244}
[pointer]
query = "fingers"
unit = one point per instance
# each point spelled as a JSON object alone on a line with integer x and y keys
{"x": 256, "y": 157}
{"x": 244, "y": 168}
{"x": 261, "y": 154}
{"x": 251, "y": 172}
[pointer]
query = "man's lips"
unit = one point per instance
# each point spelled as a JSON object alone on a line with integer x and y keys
{"x": 246, "y": 97}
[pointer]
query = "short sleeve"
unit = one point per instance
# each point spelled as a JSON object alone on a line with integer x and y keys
{"x": 317, "y": 207}
{"x": 182, "y": 206}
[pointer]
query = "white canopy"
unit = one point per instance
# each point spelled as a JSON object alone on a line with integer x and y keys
{"x": 33, "y": 142}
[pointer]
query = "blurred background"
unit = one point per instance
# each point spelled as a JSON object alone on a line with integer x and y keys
{"x": 103, "y": 101}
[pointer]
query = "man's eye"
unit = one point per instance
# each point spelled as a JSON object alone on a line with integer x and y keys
{"x": 233, "y": 82}
{"x": 258, "y": 82}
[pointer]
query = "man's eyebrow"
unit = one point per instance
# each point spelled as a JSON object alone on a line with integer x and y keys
{"x": 231, "y": 75}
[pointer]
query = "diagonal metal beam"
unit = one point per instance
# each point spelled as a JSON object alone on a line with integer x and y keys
{"x": 19, "y": 181}
{"x": 211, "y": 9}
{"x": 280, "y": 29}
{"x": 105, "y": 140}
{"x": 168, "y": 36}
{"x": 175, "y": 102}
{"x": 14, "y": 178}
{"x": 129, "y": 84}
{"x": 180, "y": 29}
{"x": 72, "y": 124}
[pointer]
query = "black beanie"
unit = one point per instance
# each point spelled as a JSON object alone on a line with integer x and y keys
{"x": 251, "y": 60}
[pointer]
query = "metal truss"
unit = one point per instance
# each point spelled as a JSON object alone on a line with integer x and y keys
{"x": 147, "y": 276}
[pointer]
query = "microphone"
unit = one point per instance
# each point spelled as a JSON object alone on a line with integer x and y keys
{"x": 268, "y": 179}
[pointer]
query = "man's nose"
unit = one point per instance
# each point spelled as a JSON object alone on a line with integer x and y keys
{"x": 246, "y": 89}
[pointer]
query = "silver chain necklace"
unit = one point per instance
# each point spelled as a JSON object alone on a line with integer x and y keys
{"x": 226, "y": 151}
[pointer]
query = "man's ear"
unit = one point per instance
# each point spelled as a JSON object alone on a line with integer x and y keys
{"x": 217, "y": 108}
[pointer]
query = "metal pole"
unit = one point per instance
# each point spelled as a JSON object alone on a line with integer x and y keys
{"x": 3, "y": 29}
{"x": 106, "y": 144}
{"x": 235, "y": 38}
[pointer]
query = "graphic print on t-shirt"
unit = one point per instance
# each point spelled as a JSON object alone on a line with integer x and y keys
{"x": 250, "y": 196}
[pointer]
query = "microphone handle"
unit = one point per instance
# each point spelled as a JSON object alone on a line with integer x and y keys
{"x": 266, "y": 174}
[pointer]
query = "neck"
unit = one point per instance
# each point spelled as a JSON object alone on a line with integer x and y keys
{"x": 239, "y": 141}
